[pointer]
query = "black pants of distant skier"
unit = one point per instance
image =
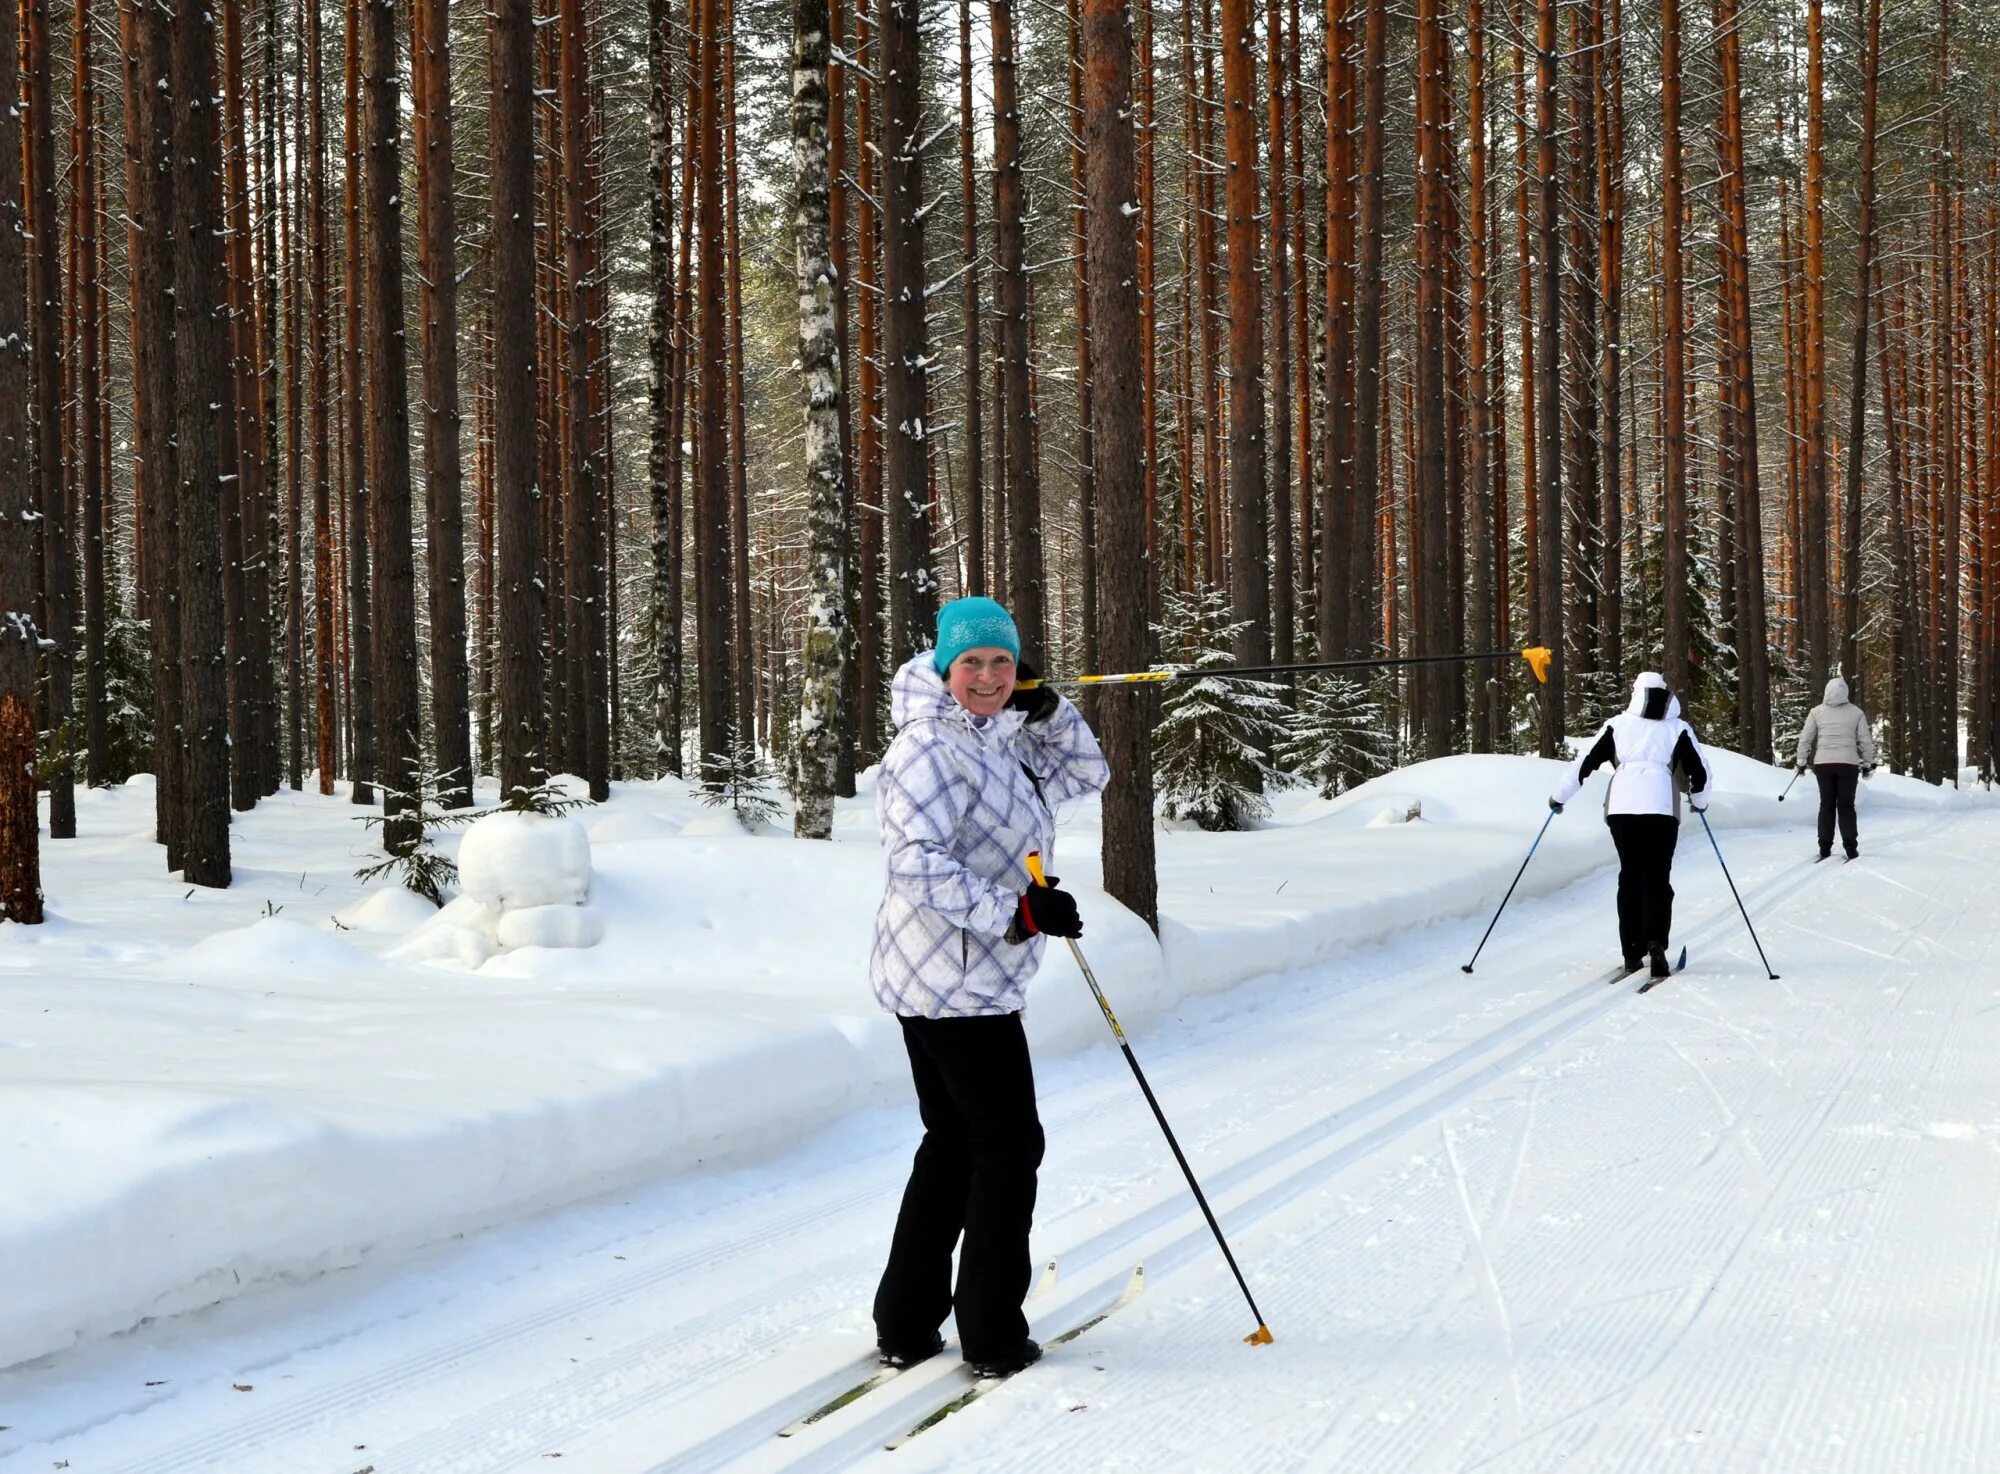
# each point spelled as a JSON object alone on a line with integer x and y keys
{"x": 1837, "y": 784}
{"x": 1645, "y": 893}
{"x": 974, "y": 1175}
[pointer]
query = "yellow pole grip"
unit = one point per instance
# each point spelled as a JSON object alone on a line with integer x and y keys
{"x": 1034, "y": 864}
{"x": 1538, "y": 658}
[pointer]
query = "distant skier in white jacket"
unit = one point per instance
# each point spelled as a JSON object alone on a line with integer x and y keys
{"x": 1655, "y": 754}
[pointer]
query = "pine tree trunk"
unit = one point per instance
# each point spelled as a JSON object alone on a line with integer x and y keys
{"x": 390, "y": 530}
{"x": 1813, "y": 584}
{"x": 510, "y": 69}
{"x": 45, "y": 298}
{"x": 837, "y": 218}
{"x": 1369, "y": 389}
{"x": 1850, "y": 608}
{"x": 1026, "y": 581}
{"x": 1429, "y": 547}
{"x": 1486, "y": 554}
{"x": 1548, "y": 434}
{"x": 1608, "y": 73}
{"x": 149, "y": 206}
{"x": 245, "y": 492}
{"x": 1249, "y": 523}
{"x": 1284, "y": 617}
{"x": 1673, "y": 276}
{"x": 712, "y": 583}
{"x": 319, "y": 314}
{"x": 90, "y": 406}
{"x": 1339, "y": 439}
{"x": 745, "y": 645}
{"x": 825, "y": 641}
{"x": 1125, "y": 728}
{"x": 359, "y": 412}
{"x": 437, "y": 273}
{"x": 975, "y": 448}
{"x": 659, "y": 335}
{"x": 1086, "y": 486}
{"x": 905, "y": 404}
{"x": 200, "y": 368}
{"x": 583, "y": 560}
{"x": 870, "y": 677}
{"x": 20, "y": 837}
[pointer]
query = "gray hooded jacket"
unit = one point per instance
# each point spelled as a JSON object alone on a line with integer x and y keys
{"x": 1836, "y": 731}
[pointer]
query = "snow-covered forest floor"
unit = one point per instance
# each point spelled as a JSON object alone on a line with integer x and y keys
{"x": 625, "y": 1204}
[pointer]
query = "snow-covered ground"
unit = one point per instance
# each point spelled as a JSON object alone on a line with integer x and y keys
{"x": 1512, "y": 1220}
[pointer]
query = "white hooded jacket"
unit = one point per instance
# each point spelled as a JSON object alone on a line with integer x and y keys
{"x": 1648, "y": 744}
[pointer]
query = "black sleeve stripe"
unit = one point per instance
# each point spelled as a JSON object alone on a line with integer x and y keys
{"x": 1688, "y": 760}
{"x": 1604, "y": 750}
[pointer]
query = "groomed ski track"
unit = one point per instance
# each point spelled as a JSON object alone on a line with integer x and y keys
{"x": 1512, "y": 1221}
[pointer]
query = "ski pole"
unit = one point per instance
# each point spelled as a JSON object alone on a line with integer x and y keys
{"x": 1733, "y": 891}
{"x": 1788, "y": 786}
{"x": 1538, "y": 659}
{"x": 1262, "y": 1335}
{"x": 1510, "y": 891}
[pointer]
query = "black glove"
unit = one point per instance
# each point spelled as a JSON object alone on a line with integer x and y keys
{"x": 1554, "y": 807}
{"x": 1869, "y": 771}
{"x": 1044, "y": 909}
{"x": 1038, "y": 702}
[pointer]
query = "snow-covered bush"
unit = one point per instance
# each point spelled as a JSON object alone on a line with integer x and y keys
{"x": 511, "y": 861}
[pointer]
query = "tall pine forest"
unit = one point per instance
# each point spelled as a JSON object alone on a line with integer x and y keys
{"x": 399, "y": 396}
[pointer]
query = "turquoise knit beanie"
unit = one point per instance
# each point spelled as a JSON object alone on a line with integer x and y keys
{"x": 968, "y": 624}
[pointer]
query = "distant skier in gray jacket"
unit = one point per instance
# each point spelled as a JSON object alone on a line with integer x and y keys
{"x": 1837, "y": 745}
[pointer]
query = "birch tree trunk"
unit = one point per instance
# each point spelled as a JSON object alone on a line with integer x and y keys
{"x": 821, "y": 659}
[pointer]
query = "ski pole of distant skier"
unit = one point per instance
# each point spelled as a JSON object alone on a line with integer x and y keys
{"x": 1262, "y": 1335}
{"x": 1510, "y": 891}
{"x": 1739, "y": 899}
{"x": 1788, "y": 786}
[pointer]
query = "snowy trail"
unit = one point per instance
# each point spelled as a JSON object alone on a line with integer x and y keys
{"x": 1518, "y": 1220}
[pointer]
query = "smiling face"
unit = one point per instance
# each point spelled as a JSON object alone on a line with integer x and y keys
{"x": 982, "y": 679}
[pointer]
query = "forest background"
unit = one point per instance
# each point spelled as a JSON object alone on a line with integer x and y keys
{"x": 724, "y": 340}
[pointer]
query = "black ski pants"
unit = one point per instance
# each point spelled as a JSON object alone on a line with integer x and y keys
{"x": 1837, "y": 785}
{"x": 1645, "y": 891}
{"x": 974, "y": 1176}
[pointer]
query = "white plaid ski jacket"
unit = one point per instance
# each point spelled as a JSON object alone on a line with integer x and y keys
{"x": 958, "y": 814}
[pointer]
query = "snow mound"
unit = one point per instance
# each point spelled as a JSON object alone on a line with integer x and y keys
{"x": 273, "y": 948}
{"x": 509, "y": 861}
{"x": 393, "y": 910}
{"x": 622, "y": 826}
{"x": 461, "y": 935}
{"x": 551, "y": 926}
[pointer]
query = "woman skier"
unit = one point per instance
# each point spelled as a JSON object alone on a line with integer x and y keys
{"x": 1836, "y": 743}
{"x": 1655, "y": 754}
{"x": 967, "y": 791}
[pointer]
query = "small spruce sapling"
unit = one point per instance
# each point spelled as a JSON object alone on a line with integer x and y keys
{"x": 1338, "y": 737}
{"x": 745, "y": 786}
{"x": 1209, "y": 762}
